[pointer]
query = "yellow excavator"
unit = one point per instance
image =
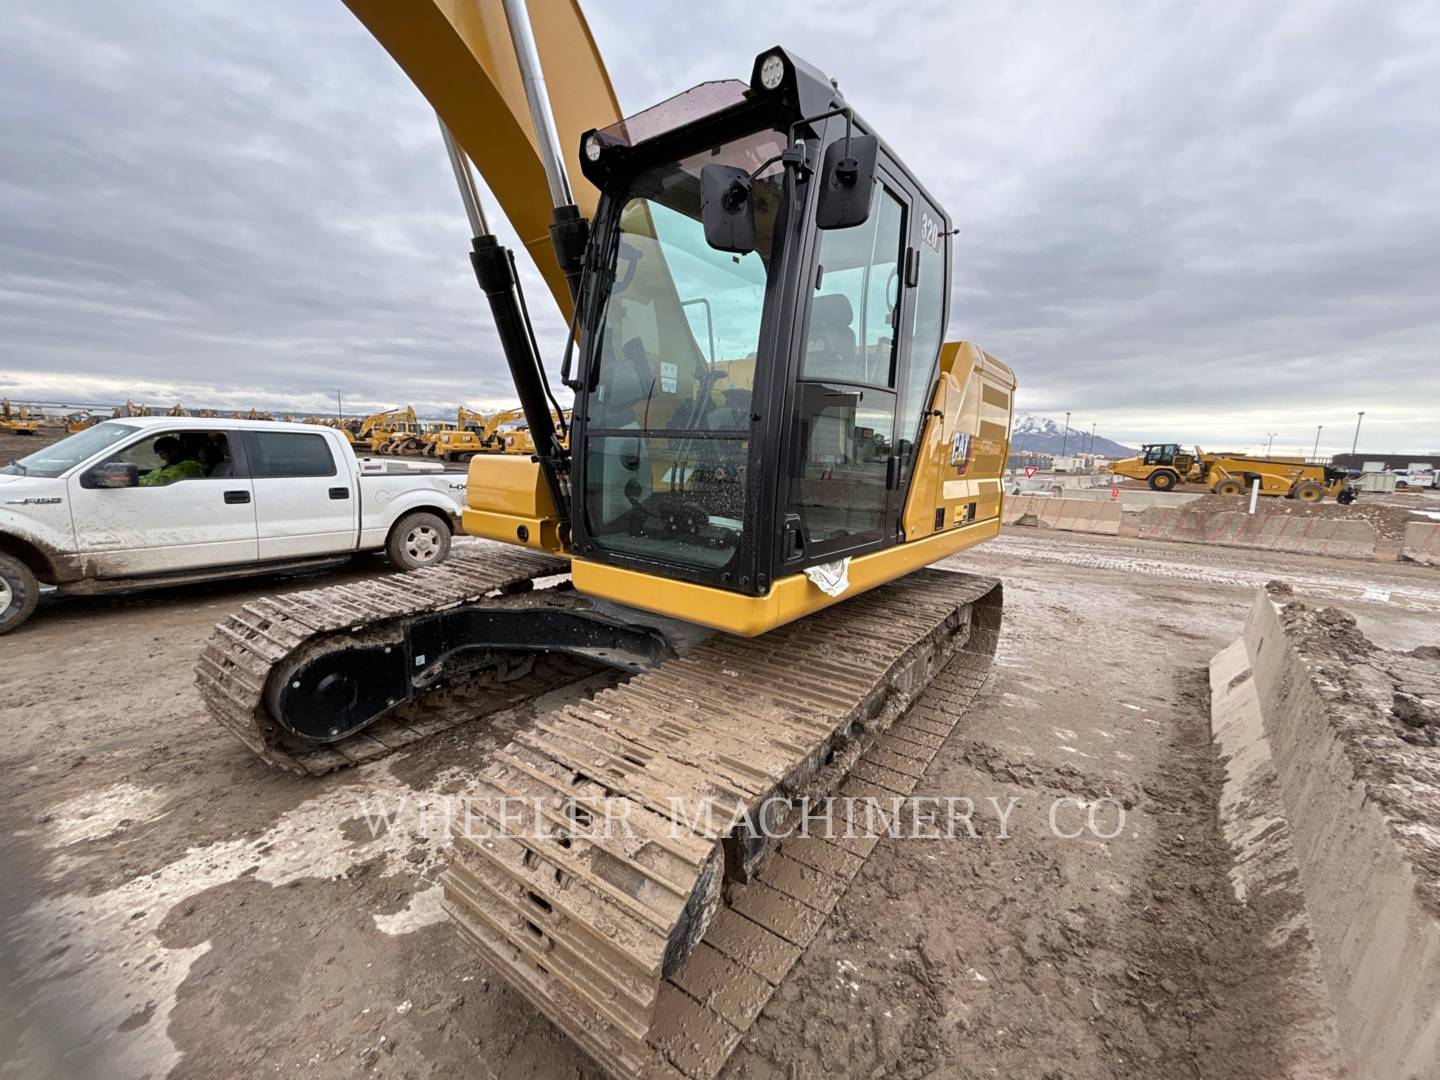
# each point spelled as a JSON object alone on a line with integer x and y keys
{"x": 472, "y": 434}
{"x": 770, "y": 443}
{"x": 17, "y": 421}
{"x": 378, "y": 428}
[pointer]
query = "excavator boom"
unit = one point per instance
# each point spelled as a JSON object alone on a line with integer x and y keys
{"x": 461, "y": 56}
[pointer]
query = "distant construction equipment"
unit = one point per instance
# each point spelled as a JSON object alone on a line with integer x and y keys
{"x": 1166, "y": 465}
{"x": 17, "y": 422}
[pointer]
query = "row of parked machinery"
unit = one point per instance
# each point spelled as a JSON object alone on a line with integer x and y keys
{"x": 397, "y": 431}
{"x": 400, "y": 432}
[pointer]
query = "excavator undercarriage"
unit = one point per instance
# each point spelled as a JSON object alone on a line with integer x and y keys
{"x": 648, "y": 892}
{"x": 645, "y": 864}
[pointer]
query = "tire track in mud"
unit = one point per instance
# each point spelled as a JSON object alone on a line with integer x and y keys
{"x": 1379, "y": 584}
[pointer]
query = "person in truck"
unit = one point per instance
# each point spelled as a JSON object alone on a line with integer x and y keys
{"x": 177, "y": 466}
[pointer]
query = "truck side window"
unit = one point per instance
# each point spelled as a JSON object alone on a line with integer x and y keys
{"x": 188, "y": 455}
{"x": 279, "y": 454}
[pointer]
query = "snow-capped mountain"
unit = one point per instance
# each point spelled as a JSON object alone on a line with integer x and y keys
{"x": 1040, "y": 434}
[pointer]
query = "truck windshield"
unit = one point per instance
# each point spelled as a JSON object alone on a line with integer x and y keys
{"x": 67, "y": 453}
{"x": 673, "y": 366}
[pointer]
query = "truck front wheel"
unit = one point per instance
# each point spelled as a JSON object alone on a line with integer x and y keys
{"x": 19, "y": 593}
{"x": 419, "y": 539}
{"x": 1163, "y": 480}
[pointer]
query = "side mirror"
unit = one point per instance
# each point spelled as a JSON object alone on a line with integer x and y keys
{"x": 112, "y": 474}
{"x": 727, "y": 208}
{"x": 847, "y": 180}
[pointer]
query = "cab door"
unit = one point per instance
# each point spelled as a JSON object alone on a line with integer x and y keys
{"x": 200, "y": 521}
{"x": 843, "y": 460}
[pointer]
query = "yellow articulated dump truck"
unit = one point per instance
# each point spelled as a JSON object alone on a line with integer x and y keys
{"x": 1165, "y": 465}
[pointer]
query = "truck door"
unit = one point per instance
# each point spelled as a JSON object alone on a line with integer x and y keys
{"x": 306, "y": 503}
{"x": 202, "y": 515}
{"x": 844, "y": 459}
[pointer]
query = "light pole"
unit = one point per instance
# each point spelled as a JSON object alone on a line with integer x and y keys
{"x": 1065, "y": 439}
{"x": 1092, "y": 436}
{"x": 1271, "y": 435}
{"x": 339, "y": 409}
{"x": 1316, "y": 452}
{"x": 1356, "y": 441}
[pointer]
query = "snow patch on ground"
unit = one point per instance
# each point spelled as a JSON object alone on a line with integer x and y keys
{"x": 68, "y": 944}
{"x": 94, "y": 815}
{"x": 423, "y": 910}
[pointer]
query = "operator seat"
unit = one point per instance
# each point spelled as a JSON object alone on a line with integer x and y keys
{"x": 830, "y": 345}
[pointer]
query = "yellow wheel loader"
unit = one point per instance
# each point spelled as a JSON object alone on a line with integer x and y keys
{"x": 770, "y": 442}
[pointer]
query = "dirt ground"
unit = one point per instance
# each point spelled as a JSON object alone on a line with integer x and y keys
{"x": 18, "y": 446}
{"x": 172, "y": 907}
{"x": 1388, "y": 519}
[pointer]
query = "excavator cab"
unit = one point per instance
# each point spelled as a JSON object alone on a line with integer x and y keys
{"x": 742, "y": 415}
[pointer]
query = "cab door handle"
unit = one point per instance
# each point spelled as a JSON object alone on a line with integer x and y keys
{"x": 237, "y": 497}
{"x": 340, "y": 493}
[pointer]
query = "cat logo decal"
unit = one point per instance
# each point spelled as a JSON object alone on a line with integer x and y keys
{"x": 960, "y": 451}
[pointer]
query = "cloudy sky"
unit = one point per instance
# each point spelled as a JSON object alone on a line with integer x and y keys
{"x": 1205, "y": 222}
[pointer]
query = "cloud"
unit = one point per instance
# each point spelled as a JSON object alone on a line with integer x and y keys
{"x": 1201, "y": 223}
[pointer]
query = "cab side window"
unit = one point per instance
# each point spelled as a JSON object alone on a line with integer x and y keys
{"x": 852, "y": 317}
{"x": 928, "y": 332}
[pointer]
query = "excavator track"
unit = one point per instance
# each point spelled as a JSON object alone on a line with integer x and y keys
{"x": 247, "y": 649}
{"x": 610, "y": 865}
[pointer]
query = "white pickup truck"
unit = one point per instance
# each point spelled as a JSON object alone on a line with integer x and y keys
{"x": 149, "y": 501}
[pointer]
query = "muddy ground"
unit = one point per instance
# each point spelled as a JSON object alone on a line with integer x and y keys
{"x": 18, "y": 446}
{"x": 172, "y": 907}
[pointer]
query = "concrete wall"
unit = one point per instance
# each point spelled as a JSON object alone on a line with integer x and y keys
{"x": 1375, "y": 937}
{"x": 1422, "y": 543}
{"x": 1070, "y": 515}
{"x": 1135, "y": 500}
{"x": 1266, "y": 532}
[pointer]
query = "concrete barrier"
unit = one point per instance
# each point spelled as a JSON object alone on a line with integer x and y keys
{"x": 1347, "y": 863}
{"x": 1302, "y": 534}
{"x": 1135, "y": 499}
{"x": 1069, "y": 515}
{"x": 1422, "y": 543}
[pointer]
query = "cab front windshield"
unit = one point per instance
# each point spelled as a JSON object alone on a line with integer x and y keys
{"x": 673, "y": 366}
{"x": 64, "y": 455}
